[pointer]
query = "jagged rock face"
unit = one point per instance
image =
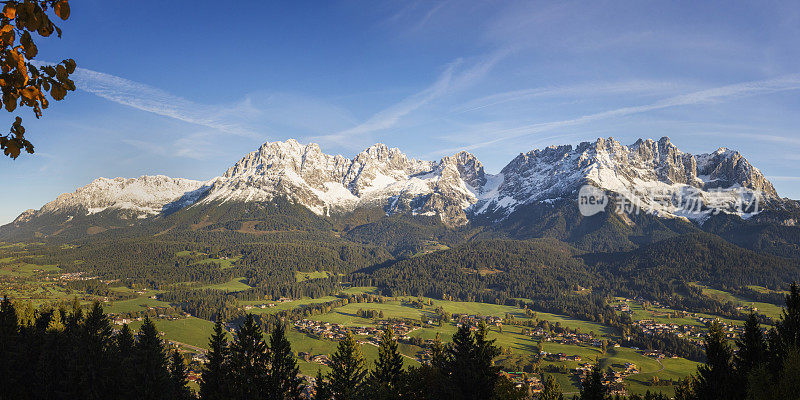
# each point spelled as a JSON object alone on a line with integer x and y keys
{"x": 454, "y": 188}
{"x": 25, "y": 217}
{"x": 144, "y": 196}
{"x": 724, "y": 168}
{"x": 645, "y": 167}
{"x": 378, "y": 176}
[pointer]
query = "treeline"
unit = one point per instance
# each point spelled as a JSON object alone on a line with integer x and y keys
{"x": 64, "y": 354}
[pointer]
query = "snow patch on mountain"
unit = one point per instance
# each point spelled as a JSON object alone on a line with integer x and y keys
{"x": 145, "y": 195}
{"x": 378, "y": 176}
{"x": 653, "y": 176}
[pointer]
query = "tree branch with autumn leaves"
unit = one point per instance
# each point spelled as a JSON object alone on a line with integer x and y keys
{"x": 22, "y": 83}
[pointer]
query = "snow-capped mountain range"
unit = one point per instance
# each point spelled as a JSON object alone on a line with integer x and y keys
{"x": 455, "y": 188}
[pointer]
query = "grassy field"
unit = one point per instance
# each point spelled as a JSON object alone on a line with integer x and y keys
{"x": 192, "y": 331}
{"x": 307, "y": 276}
{"x": 137, "y": 304}
{"x": 233, "y": 285}
{"x": 302, "y": 342}
{"x": 203, "y": 258}
{"x": 771, "y": 310}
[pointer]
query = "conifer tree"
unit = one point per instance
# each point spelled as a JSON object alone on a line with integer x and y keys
{"x": 214, "y": 381}
{"x": 485, "y": 352}
{"x": 347, "y": 370}
{"x": 150, "y": 370}
{"x": 383, "y": 382}
{"x": 752, "y": 352}
{"x": 249, "y": 361}
{"x": 389, "y": 364}
{"x": 75, "y": 315}
{"x": 460, "y": 363}
{"x": 283, "y": 373}
{"x": 9, "y": 325}
{"x": 550, "y": 389}
{"x": 56, "y": 321}
{"x": 714, "y": 379}
{"x": 788, "y": 327}
{"x": 96, "y": 355}
{"x": 125, "y": 343}
{"x": 9, "y": 347}
{"x": 178, "y": 376}
{"x": 592, "y": 387}
{"x": 438, "y": 356}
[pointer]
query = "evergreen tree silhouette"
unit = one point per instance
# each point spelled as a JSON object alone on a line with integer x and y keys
{"x": 179, "y": 378}
{"x": 214, "y": 380}
{"x": 125, "y": 344}
{"x": 752, "y": 353}
{"x": 10, "y": 348}
{"x": 484, "y": 354}
{"x": 550, "y": 389}
{"x": 285, "y": 382}
{"x": 96, "y": 355}
{"x": 249, "y": 362}
{"x": 714, "y": 379}
{"x": 150, "y": 372}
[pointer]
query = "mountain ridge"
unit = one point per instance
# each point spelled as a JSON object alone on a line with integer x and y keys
{"x": 456, "y": 188}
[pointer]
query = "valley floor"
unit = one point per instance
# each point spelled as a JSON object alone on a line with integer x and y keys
{"x": 533, "y": 342}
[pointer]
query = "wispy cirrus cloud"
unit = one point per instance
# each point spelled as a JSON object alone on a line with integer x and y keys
{"x": 449, "y": 81}
{"x": 595, "y": 89}
{"x": 784, "y": 178}
{"x": 718, "y": 94}
{"x": 147, "y": 98}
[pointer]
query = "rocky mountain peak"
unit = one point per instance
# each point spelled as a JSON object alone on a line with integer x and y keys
{"x": 467, "y": 167}
{"x": 556, "y": 172}
{"x": 724, "y": 168}
{"x": 453, "y": 188}
{"x": 145, "y": 195}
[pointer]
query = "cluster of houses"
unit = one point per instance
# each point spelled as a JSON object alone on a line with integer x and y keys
{"x": 267, "y": 305}
{"x": 75, "y": 276}
{"x": 319, "y": 358}
{"x": 521, "y": 379}
{"x": 614, "y": 381}
{"x": 690, "y": 332}
{"x": 572, "y": 338}
{"x": 558, "y": 356}
{"x": 731, "y": 331}
{"x": 475, "y": 320}
{"x": 332, "y": 331}
{"x": 651, "y": 327}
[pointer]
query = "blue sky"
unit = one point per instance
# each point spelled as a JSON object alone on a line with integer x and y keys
{"x": 186, "y": 88}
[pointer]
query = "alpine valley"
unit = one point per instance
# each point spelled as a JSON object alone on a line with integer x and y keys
{"x": 301, "y": 235}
